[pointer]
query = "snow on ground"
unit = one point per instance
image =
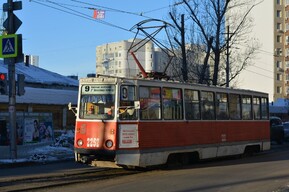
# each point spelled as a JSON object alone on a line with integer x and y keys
{"x": 62, "y": 149}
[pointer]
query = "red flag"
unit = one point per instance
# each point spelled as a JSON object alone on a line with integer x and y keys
{"x": 98, "y": 14}
{"x": 94, "y": 13}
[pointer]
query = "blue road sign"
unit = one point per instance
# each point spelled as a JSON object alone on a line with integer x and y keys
{"x": 8, "y": 46}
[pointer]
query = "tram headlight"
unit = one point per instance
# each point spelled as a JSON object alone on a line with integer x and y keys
{"x": 79, "y": 142}
{"x": 109, "y": 143}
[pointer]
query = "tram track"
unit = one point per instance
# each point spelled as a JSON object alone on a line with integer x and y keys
{"x": 50, "y": 181}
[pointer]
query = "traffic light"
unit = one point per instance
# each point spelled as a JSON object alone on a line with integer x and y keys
{"x": 21, "y": 84}
{"x": 3, "y": 84}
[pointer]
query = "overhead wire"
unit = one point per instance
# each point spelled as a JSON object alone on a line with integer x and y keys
{"x": 76, "y": 13}
{"x": 64, "y": 7}
{"x": 258, "y": 73}
{"x": 112, "y": 9}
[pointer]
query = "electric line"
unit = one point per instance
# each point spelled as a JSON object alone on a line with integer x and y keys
{"x": 65, "y": 8}
{"x": 112, "y": 9}
{"x": 77, "y": 13}
{"x": 258, "y": 73}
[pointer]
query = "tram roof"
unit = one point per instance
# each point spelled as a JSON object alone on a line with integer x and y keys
{"x": 170, "y": 83}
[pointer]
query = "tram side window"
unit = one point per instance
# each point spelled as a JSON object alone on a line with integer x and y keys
{"x": 208, "y": 109}
{"x": 126, "y": 104}
{"x": 247, "y": 107}
{"x": 172, "y": 103}
{"x": 234, "y": 106}
{"x": 264, "y": 108}
{"x": 150, "y": 102}
{"x": 222, "y": 110}
{"x": 256, "y": 108}
{"x": 192, "y": 104}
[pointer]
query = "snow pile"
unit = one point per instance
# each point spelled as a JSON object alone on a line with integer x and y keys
{"x": 66, "y": 139}
{"x": 62, "y": 149}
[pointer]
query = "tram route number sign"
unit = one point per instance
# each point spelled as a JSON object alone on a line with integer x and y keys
{"x": 8, "y": 46}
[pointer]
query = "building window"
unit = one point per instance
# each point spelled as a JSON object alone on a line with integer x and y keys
{"x": 279, "y": 77}
{"x": 279, "y": 52}
{"x": 278, "y": 64}
{"x": 279, "y": 90}
{"x": 279, "y": 26}
{"x": 279, "y": 13}
{"x": 279, "y": 39}
{"x": 278, "y": 2}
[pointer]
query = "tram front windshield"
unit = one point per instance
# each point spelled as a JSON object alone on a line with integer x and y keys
{"x": 97, "y": 102}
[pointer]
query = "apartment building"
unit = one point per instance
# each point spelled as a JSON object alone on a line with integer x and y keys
{"x": 32, "y": 60}
{"x": 281, "y": 49}
{"x": 115, "y": 58}
{"x": 264, "y": 75}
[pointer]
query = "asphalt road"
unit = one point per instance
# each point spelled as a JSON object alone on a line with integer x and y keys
{"x": 263, "y": 172}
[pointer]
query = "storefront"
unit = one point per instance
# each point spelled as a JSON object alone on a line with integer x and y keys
{"x": 37, "y": 117}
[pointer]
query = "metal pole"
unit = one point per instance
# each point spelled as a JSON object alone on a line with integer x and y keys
{"x": 11, "y": 81}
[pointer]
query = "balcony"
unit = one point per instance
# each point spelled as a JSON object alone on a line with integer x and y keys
{"x": 281, "y": 70}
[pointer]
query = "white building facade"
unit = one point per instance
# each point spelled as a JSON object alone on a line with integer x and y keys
{"x": 260, "y": 75}
{"x": 32, "y": 60}
{"x": 115, "y": 58}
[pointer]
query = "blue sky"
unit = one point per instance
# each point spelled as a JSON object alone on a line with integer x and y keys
{"x": 66, "y": 43}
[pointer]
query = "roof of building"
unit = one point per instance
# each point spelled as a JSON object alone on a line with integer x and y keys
{"x": 44, "y": 96}
{"x": 49, "y": 96}
{"x": 35, "y": 74}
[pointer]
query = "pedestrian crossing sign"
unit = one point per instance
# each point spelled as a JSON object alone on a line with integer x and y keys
{"x": 8, "y": 46}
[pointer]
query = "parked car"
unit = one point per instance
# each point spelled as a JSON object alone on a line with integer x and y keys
{"x": 276, "y": 130}
{"x": 286, "y": 131}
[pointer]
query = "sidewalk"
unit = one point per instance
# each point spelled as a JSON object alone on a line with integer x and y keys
{"x": 36, "y": 153}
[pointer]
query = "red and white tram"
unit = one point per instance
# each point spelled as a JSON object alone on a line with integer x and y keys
{"x": 141, "y": 123}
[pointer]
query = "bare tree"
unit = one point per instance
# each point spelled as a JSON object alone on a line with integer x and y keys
{"x": 205, "y": 27}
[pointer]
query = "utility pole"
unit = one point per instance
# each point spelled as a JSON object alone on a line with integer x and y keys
{"x": 12, "y": 24}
